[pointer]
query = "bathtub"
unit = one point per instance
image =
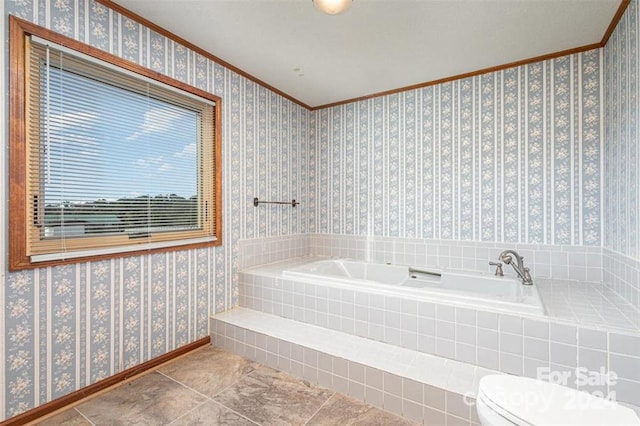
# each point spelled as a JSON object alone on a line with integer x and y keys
{"x": 503, "y": 294}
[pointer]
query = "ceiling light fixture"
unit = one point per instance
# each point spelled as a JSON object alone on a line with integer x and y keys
{"x": 332, "y": 7}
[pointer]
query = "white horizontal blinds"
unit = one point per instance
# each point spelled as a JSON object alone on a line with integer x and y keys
{"x": 113, "y": 160}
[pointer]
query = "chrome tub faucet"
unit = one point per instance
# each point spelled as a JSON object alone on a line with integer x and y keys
{"x": 498, "y": 266}
{"x": 507, "y": 257}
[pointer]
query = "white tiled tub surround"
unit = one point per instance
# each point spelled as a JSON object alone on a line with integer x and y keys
{"x": 259, "y": 251}
{"x": 511, "y": 344}
{"x": 575, "y": 294}
{"x": 622, "y": 275}
{"x": 588, "y": 304}
{"x": 418, "y": 386}
{"x": 581, "y": 263}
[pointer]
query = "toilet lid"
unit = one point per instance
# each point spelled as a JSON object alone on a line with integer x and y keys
{"x": 528, "y": 401}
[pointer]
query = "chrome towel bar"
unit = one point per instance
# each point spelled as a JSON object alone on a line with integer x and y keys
{"x": 292, "y": 203}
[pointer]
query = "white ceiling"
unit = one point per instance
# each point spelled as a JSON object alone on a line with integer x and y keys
{"x": 376, "y": 45}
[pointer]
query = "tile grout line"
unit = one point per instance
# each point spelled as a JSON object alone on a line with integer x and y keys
{"x": 288, "y": 374}
{"x": 320, "y": 408}
{"x": 183, "y": 385}
{"x": 84, "y": 416}
{"x": 78, "y": 404}
{"x": 221, "y": 390}
{"x": 217, "y": 393}
{"x": 192, "y": 389}
{"x": 188, "y": 412}
{"x": 210, "y": 399}
{"x": 206, "y": 402}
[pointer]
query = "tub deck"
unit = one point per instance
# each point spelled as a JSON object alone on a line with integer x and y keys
{"x": 565, "y": 301}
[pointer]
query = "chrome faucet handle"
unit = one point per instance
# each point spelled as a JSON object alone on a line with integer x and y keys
{"x": 527, "y": 280}
{"x": 498, "y": 266}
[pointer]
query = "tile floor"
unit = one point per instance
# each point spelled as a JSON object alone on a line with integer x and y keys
{"x": 214, "y": 387}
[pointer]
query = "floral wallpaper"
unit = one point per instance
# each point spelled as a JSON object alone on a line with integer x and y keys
{"x": 510, "y": 156}
{"x": 622, "y": 153}
{"x": 621, "y": 184}
{"x": 70, "y": 326}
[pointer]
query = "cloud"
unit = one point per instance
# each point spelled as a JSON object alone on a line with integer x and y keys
{"x": 156, "y": 120}
{"x": 75, "y": 126}
{"x": 188, "y": 151}
{"x": 72, "y": 119}
{"x": 154, "y": 163}
{"x": 77, "y": 130}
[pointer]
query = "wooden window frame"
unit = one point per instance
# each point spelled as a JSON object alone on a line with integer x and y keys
{"x": 19, "y": 208}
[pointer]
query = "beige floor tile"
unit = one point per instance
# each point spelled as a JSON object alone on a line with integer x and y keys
{"x": 209, "y": 370}
{"x": 212, "y": 414}
{"x": 269, "y": 397}
{"x": 150, "y": 400}
{"x": 343, "y": 411}
{"x": 244, "y": 393}
{"x": 68, "y": 418}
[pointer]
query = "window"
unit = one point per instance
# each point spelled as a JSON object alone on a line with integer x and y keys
{"x": 113, "y": 161}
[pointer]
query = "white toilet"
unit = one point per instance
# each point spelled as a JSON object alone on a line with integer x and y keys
{"x": 513, "y": 400}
